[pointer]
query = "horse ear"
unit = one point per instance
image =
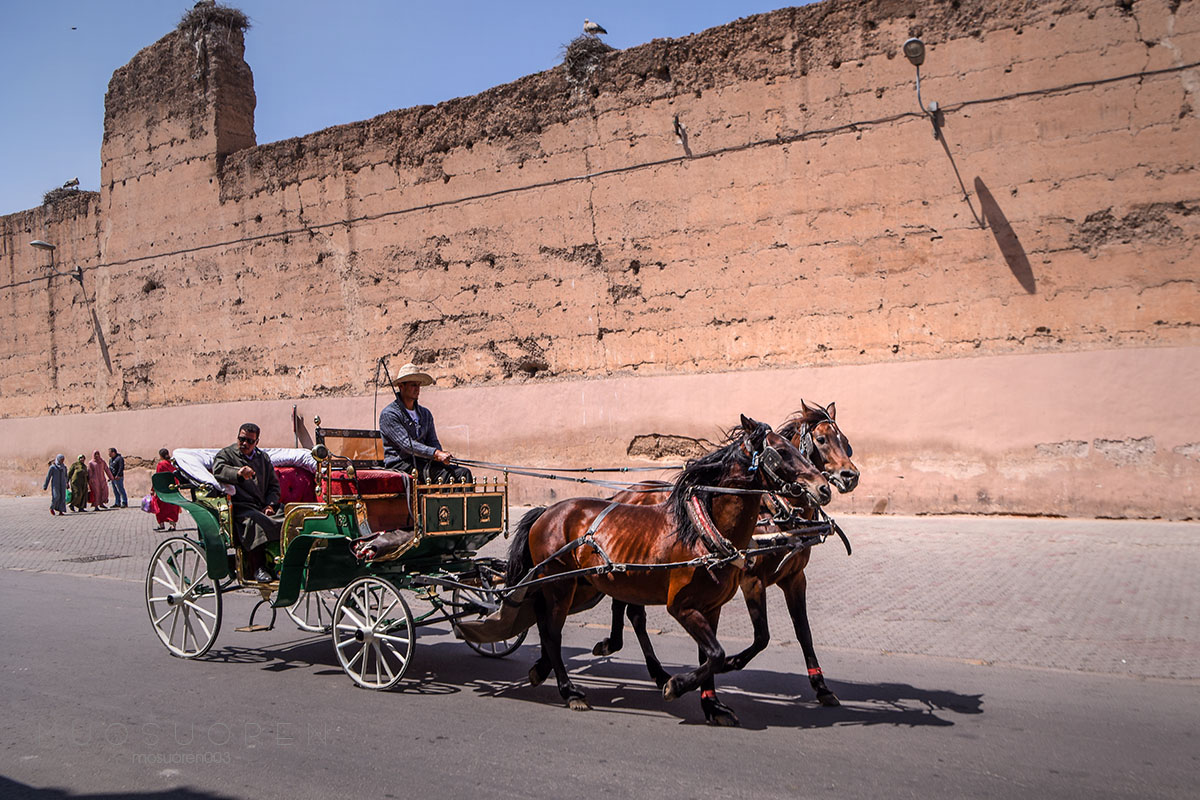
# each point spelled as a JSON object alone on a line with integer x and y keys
{"x": 748, "y": 425}
{"x": 831, "y": 410}
{"x": 805, "y": 407}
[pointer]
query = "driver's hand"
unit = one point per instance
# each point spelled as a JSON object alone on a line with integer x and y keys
{"x": 246, "y": 472}
{"x": 269, "y": 511}
{"x": 442, "y": 456}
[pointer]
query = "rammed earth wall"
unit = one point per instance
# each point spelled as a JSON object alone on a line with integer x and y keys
{"x": 1006, "y": 316}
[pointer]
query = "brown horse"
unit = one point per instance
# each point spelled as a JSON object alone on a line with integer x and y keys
{"x": 815, "y": 433}
{"x": 712, "y": 509}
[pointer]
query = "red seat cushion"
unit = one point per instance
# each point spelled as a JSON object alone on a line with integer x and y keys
{"x": 295, "y": 485}
{"x": 370, "y": 481}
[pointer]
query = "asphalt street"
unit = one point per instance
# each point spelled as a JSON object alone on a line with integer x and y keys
{"x": 974, "y": 657}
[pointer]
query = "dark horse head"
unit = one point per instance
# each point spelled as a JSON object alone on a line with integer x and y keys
{"x": 814, "y": 432}
{"x": 754, "y": 457}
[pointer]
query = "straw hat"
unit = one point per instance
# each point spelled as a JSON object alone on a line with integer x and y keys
{"x": 410, "y": 374}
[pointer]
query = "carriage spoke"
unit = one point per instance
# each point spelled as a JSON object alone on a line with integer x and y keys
{"x": 200, "y": 622}
{"x": 357, "y": 656}
{"x": 383, "y": 661}
{"x": 158, "y": 620}
{"x": 169, "y": 586}
{"x": 399, "y": 656}
{"x": 400, "y": 640}
{"x": 383, "y": 614}
{"x": 199, "y": 610}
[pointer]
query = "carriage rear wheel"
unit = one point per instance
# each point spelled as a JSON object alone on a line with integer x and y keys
{"x": 373, "y": 633}
{"x": 313, "y": 612}
{"x": 486, "y": 602}
{"x": 184, "y": 603}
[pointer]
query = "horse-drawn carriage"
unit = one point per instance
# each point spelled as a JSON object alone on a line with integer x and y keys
{"x": 331, "y": 497}
{"x": 687, "y": 545}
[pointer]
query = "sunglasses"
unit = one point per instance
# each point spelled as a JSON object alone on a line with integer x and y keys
{"x": 248, "y": 440}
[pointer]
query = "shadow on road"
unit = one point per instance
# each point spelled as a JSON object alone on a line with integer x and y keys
{"x": 15, "y": 790}
{"x": 761, "y": 698}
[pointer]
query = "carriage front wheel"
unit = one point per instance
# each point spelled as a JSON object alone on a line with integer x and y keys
{"x": 486, "y": 602}
{"x": 184, "y": 603}
{"x": 373, "y": 633}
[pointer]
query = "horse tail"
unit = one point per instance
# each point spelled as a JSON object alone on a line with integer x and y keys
{"x": 520, "y": 560}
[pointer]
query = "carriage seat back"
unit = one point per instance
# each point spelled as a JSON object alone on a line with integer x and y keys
{"x": 363, "y": 446}
{"x": 296, "y": 485}
{"x": 384, "y": 492}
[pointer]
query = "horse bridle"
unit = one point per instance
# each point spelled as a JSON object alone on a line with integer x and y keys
{"x": 810, "y": 449}
{"x": 770, "y": 461}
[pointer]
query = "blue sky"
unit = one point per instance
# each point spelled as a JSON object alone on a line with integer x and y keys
{"x": 315, "y": 64}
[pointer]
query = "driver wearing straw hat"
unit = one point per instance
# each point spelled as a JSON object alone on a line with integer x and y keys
{"x": 410, "y": 439}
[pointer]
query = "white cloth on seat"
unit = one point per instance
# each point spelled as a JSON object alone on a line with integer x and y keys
{"x": 197, "y": 463}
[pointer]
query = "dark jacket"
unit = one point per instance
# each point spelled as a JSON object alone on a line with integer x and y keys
{"x": 116, "y": 465}
{"x": 407, "y": 444}
{"x": 258, "y": 492}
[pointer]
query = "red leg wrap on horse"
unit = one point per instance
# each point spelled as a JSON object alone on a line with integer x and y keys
{"x": 814, "y": 672}
{"x": 708, "y": 694}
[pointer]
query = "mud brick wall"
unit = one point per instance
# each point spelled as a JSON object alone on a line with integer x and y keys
{"x": 560, "y": 229}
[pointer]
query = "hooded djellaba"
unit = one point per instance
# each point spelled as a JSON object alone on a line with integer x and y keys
{"x": 77, "y": 477}
{"x": 56, "y": 480}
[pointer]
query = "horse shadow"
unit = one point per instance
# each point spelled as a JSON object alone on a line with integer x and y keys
{"x": 761, "y": 698}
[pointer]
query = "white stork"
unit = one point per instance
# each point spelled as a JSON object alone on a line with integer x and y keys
{"x": 592, "y": 28}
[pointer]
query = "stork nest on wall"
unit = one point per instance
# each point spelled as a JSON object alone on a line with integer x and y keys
{"x": 207, "y": 15}
{"x": 582, "y": 56}
{"x": 58, "y": 193}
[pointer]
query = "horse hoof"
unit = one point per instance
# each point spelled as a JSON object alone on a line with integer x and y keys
{"x": 722, "y": 719}
{"x": 828, "y": 699}
{"x": 536, "y": 676}
{"x": 661, "y": 681}
{"x": 578, "y": 704}
{"x": 669, "y": 690}
{"x": 602, "y": 649}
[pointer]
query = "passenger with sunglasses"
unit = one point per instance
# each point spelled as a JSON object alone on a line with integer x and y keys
{"x": 256, "y": 500}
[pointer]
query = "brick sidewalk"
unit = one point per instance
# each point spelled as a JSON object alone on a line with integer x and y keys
{"x": 1100, "y": 596}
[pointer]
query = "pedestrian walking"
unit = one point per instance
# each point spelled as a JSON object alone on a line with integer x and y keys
{"x": 116, "y": 465}
{"x": 77, "y": 477}
{"x": 56, "y": 479}
{"x": 166, "y": 513}
{"x": 98, "y": 477}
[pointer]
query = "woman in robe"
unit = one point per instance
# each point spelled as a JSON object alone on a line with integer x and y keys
{"x": 166, "y": 513}
{"x": 56, "y": 479}
{"x": 77, "y": 476}
{"x": 98, "y": 477}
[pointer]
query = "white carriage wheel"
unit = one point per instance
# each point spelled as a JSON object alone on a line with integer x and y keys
{"x": 313, "y": 612}
{"x": 184, "y": 603}
{"x": 489, "y": 602}
{"x": 373, "y": 633}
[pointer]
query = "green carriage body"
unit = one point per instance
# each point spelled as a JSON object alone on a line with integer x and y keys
{"x": 451, "y": 523}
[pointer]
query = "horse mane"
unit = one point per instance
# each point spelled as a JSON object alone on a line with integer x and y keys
{"x": 709, "y": 470}
{"x": 798, "y": 419}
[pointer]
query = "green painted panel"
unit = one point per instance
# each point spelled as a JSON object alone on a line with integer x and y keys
{"x": 444, "y": 513}
{"x": 485, "y": 512}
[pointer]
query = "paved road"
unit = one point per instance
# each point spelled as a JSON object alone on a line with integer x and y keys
{"x": 984, "y": 658}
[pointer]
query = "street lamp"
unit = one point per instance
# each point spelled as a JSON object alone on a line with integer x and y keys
{"x": 914, "y": 51}
{"x": 40, "y": 245}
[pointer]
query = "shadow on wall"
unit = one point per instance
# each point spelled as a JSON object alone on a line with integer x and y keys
{"x": 1006, "y": 238}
